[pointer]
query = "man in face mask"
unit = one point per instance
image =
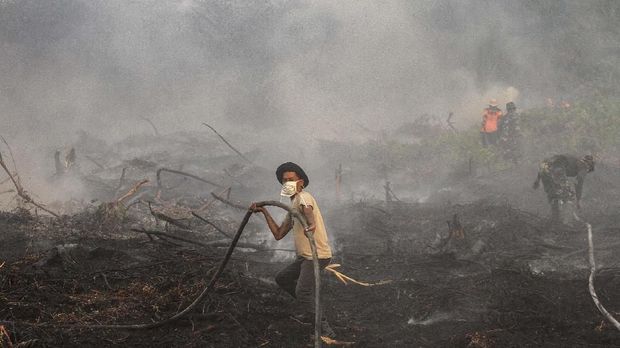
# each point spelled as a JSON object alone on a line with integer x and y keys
{"x": 297, "y": 279}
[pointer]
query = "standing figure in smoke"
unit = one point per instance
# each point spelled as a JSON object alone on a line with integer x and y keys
{"x": 490, "y": 121}
{"x": 554, "y": 173}
{"x": 510, "y": 133}
{"x": 297, "y": 279}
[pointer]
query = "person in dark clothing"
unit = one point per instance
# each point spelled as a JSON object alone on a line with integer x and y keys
{"x": 554, "y": 173}
{"x": 510, "y": 133}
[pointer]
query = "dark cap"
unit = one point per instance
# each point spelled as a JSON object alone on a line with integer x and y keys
{"x": 292, "y": 167}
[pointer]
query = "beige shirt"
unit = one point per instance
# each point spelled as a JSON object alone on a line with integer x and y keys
{"x": 302, "y": 244}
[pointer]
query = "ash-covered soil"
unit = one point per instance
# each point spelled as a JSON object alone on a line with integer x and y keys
{"x": 471, "y": 262}
{"x": 511, "y": 280}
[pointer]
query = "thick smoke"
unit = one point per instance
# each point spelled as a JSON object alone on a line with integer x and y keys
{"x": 303, "y": 70}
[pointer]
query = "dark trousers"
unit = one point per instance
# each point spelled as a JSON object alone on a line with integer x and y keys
{"x": 297, "y": 279}
{"x": 557, "y": 187}
{"x": 489, "y": 138}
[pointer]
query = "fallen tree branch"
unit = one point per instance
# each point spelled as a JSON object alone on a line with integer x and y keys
{"x": 214, "y": 244}
{"x": 206, "y": 205}
{"x": 227, "y": 202}
{"x": 168, "y": 219}
{"x": 257, "y": 247}
{"x": 213, "y": 225}
{"x": 345, "y": 278}
{"x": 131, "y": 191}
{"x": 332, "y": 342}
{"x": 159, "y": 185}
{"x": 229, "y": 145}
{"x": 8, "y": 178}
{"x": 165, "y": 239}
{"x": 21, "y": 192}
{"x": 5, "y": 338}
{"x": 10, "y": 154}
{"x": 121, "y": 180}
{"x": 167, "y": 235}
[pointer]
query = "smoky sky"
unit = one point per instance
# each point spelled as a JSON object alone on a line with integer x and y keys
{"x": 315, "y": 69}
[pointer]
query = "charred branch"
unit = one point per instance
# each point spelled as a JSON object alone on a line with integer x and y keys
{"x": 21, "y": 192}
{"x": 166, "y": 218}
{"x": 131, "y": 191}
{"x": 217, "y": 228}
{"x": 227, "y": 202}
{"x": 229, "y": 145}
{"x": 160, "y": 170}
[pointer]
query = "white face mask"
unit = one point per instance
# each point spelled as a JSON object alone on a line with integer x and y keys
{"x": 289, "y": 188}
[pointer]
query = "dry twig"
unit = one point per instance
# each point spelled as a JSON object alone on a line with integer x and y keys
{"x": 166, "y": 218}
{"x": 208, "y": 204}
{"x": 5, "y": 338}
{"x": 167, "y": 235}
{"x": 132, "y": 191}
{"x": 227, "y": 202}
{"x": 11, "y": 154}
{"x": 8, "y": 178}
{"x": 213, "y": 225}
{"x": 21, "y": 192}
{"x": 121, "y": 180}
{"x": 229, "y": 145}
{"x": 159, "y": 185}
{"x": 345, "y": 279}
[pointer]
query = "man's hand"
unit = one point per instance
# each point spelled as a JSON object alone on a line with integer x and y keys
{"x": 253, "y": 208}
{"x": 310, "y": 228}
{"x": 278, "y": 231}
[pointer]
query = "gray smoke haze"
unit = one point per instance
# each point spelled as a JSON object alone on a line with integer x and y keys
{"x": 304, "y": 70}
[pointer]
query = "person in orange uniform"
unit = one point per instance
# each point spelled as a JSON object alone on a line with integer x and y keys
{"x": 490, "y": 121}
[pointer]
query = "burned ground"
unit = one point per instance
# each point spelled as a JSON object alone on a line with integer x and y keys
{"x": 512, "y": 281}
{"x": 130, "y": 131}
{"x": 475, "y": 263}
